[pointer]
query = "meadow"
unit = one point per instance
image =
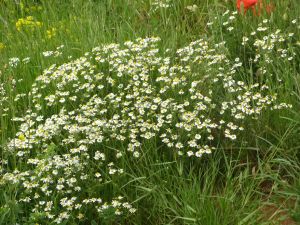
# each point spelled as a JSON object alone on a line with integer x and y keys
{"x": 149, "y": 112}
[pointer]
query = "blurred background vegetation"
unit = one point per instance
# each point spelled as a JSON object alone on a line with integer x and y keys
{"x": 257, "y": 183}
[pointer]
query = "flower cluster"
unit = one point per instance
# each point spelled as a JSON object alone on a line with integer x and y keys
{"x": 272, "y": 42}
{"x": 192, "y": 8}
{"x": 28, "y": 23}
{"x": 88, "y": 113}
{"x": 31, "y": 8}
{"x": 55, "y": 53}
{"x": 57, "y": 29}
{"x": 51, "y": 32}
{"x": 3, "y": 101}
{"x": 161, "y": 4}
{"x": 262, "y": 42}
{"x": 15, "y": 61}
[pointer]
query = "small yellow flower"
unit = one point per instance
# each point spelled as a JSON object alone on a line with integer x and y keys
{"x": 21, "y": 137}
{"x": 29, "y": 18}
{"x": 2, "y": 46}
{"x": 51, "y": 32}
{"x": 33, "y": 8}
{"x": 28, "y": 23}
{"x": 80, "y": 216}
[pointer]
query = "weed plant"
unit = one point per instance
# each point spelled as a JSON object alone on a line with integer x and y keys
{"x": 149, "y": 112}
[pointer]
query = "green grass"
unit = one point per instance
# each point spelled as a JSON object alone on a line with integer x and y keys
{"x": 253, "y": 180}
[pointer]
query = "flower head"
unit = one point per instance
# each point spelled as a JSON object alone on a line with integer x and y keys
{"x": 246, "y": 4}
{"x": 256, "y": 5}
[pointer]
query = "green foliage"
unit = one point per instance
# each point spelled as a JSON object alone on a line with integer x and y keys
{"x": 237, "y": 184}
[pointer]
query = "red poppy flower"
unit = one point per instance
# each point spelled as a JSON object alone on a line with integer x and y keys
{"x": 246, "y": 4}
{"x": 256, "y": 5}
